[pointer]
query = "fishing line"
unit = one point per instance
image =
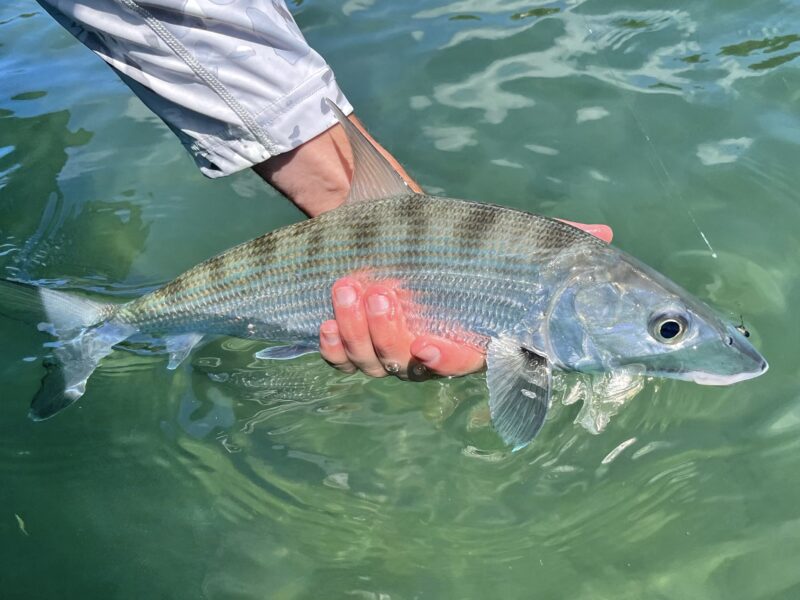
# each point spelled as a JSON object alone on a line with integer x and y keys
{"x": 667, "y": 182}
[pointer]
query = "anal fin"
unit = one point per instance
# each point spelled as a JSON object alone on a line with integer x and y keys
{"x": 179, "y": 347}
{"x": 286, "y": 352}
{"x": 519, "y": 391}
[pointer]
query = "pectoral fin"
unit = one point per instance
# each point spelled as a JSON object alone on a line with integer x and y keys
{"x": 286, "y": 352}
{"x": 519, "y": 391}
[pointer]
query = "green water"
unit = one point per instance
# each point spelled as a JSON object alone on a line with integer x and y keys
{"x": 677, "y": 123}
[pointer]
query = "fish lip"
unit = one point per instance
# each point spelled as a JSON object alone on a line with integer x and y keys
{"x": 712, "y": 379}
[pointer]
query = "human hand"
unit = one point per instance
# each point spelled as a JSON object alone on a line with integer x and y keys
{"x": 369, "y": 333}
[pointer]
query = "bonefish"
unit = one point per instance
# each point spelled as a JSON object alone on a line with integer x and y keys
{"x": 535, "y": 294}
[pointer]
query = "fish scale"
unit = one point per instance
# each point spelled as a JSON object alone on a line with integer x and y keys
{"x": 279, "y": 284}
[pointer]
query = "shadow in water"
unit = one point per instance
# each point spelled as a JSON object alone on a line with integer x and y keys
{"x": 45, "y": 234}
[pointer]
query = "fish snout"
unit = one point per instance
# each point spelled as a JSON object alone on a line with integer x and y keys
{"x": 753, "y": 361}
{"x": 744, "y": 362}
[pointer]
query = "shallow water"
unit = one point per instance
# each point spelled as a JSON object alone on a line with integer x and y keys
{"x": 677, "y": 124}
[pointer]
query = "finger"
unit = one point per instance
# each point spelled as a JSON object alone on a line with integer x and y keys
{"x": 348, "y": 308}
{"x": 332, "y": 349}
{"x": 599, "y": 231}
{"x": 445, "y": 357}
{"x": 390, "y": 338}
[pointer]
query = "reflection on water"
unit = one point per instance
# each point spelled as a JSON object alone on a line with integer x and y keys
{"x": 232, "y": 477}
{"x": 41, "y": 232}
{"x": 38, "y": 145}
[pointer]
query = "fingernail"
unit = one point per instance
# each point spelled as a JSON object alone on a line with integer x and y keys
{"x": 330, "y": 338}
{"x": 429, "y": 355}
{"x": 345, "y": 296}
{"x": 377, "y": 304}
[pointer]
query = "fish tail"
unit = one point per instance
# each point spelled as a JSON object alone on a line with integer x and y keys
{"x": 86, "y": 331}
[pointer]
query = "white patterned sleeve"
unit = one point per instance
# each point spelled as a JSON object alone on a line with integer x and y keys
{"x": 235, "y": 80}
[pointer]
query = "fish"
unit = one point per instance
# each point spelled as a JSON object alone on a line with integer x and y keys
{"x": 533, "y": 293}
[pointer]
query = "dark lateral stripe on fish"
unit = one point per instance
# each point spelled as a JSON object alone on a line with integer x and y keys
{"x": 316, "y": 242}
{"x": 266, "y": 247}
{"x": 418, "y": 223}
{"x": 476, "y": 227}
{"x": 366, "y": 233}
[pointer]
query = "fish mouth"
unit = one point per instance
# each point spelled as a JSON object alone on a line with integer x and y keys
{"x": 750, "y": 361}
{"x": 714, "y": 379}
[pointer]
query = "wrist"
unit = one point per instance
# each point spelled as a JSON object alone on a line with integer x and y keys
{"x": 316, "y": 175}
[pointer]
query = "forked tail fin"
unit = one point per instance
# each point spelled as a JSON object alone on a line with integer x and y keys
{"x": 86, "y": 332}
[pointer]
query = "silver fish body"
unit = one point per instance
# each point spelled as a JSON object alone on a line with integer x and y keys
{"x": 470, "y": 271}
{"x": 534, "y": 293}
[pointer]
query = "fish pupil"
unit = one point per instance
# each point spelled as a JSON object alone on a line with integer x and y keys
{"x": 669, "y": 329}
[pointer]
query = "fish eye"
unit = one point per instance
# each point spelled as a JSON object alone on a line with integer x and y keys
{"x": 729, "y": 339}
{"x": 668, "y": 329}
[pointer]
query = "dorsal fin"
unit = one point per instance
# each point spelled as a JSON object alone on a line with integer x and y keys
{"x": 373, "y": 176}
